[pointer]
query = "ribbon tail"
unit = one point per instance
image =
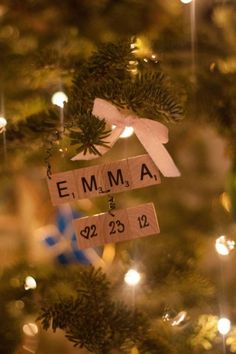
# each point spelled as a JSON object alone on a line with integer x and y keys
{"x": 156, "y": 149}
{"x": 111, "y": 140}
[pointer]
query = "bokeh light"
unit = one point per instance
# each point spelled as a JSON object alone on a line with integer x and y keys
{"x": 224, "y": 325}
{"x": 30, "y": 329}
{"x": 3, "y": 123}
{"x": 59, "y": 98}
{"x": 132, "y": 277}
{"x": 186, "y": 1}
{"x": 224, "y": 246}
{"x": 30, "y": 283}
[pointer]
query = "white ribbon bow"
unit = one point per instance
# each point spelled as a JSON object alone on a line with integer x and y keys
{"x": 151, "y": 134}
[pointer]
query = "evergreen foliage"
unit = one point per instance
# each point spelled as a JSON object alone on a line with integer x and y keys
{"x": 108, "y": 75}
{"x": 46, "y": 47}
{"x": 91, "y": 319}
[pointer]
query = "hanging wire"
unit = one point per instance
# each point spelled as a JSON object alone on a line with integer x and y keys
{"x": 111, "y": 204}
{"x": 49, "y": 144}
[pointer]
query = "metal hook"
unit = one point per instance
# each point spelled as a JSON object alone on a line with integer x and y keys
{"x": 49, "y": 171}
{"x": 111, "y": 204}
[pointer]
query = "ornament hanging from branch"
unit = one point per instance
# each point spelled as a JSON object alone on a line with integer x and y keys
{"x": 122, "y": 100}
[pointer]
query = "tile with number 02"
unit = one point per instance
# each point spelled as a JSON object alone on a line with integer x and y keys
{"x": 89, "y": 231}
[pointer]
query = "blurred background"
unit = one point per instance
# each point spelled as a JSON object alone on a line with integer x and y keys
{"x": 186, "y": 283}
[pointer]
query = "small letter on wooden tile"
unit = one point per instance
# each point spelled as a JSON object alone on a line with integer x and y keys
{"x": 116, "y": 176}
{"x": 143, "y": 171}
{"x": 62, "y": 188}
{"x": 88, "y": 181}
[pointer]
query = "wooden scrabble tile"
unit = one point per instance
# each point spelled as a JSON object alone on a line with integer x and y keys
{"x": 143, "y": 220}
{"x": 89, "y": 232}
{"x": 116, "y": 176}
{"x": 143, "y": 171}
{"x": 62, "y": 188}
{"x": 104, "y": 179}
{"x": 115, "y": 228}
{"x": 89, "y": 181}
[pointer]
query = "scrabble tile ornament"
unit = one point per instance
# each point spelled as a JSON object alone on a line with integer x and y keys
{"x": 114, "y": 177}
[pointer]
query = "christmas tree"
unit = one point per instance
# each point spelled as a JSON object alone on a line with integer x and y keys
{"x": 164, "y": 64}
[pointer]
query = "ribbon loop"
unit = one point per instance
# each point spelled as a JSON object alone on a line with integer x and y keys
{"x": 151, "y": 134}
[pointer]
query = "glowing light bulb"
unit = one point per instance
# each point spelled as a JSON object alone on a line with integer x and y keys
{"x": 127, "y": 132}
{"x": 133, "y": 62}
{"x": 224, "y": 325}
{"x": 186, "y": 1}
{"x": 59, "y": 98}
{"x": 30, "y": 283}
{"x": 132, "y": 277}
{"x": 224, "y": 246}
{"x": 3, "y": 123}
{"x": 174, "y": 319}
{"x": 180, "y": 317}
{"x": 30, "y": 329}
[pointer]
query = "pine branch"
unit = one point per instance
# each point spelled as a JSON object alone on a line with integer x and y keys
{"x": 33, "y": 127}
{"x": 108, "y": 75}
{"x": 91, "y": 319}
{"x": 92, "y": 127}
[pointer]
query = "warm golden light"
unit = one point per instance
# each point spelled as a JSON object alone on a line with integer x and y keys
{"x": 224, "y": 325}
{"x": 59, "y": 98}
{"x": 30, "y": 283}
{"x": 179, "y": 318}
{"x": 109, "y": 253}
{"x": 3, "y": 123}
{"x": 224, "y": 246}
{"x": 127, "y": 132}
{"x": 30, "y": 329}
{"x": 132, "y": 277}
{"x": 225, "y": 201}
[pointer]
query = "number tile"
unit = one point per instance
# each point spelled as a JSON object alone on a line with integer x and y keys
{"x": 89, "y": 232}
{"x": 115, "y": 228}
{"x": 143, "y": 220}
{"x": 121, "y": 225}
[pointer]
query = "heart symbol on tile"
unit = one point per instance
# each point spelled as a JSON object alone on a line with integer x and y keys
{"x": 85, "y": 232}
